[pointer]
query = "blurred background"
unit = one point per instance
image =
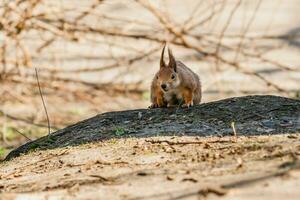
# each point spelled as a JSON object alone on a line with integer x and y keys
{"x": 95, "y": 56}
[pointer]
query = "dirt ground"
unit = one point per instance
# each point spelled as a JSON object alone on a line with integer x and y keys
{"x": 24, "y": 102}
{"x": 256, "y": 167}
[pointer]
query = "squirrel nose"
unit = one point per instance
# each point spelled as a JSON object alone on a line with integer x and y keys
{"x": 163, "y": 86}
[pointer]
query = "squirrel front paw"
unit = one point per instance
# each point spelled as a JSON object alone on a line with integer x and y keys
{"x": 154, "y": 105}
{"x": 187, "y": 105}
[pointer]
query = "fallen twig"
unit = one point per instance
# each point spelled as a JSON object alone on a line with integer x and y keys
{"x": 185, "y": 142}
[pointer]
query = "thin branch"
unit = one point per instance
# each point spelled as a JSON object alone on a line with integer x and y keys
{"x": 42, "y": 98}
{"x": 26, "y": 121}
{"x": 247, "y": 29}
{"x": 22, "y": 134}
{"x": 235, "y": 8}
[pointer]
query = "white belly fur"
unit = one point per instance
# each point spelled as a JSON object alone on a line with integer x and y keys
{"x": 170, "y": 94}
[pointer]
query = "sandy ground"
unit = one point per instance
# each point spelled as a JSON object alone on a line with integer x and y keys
{"x": 257, "y": 167}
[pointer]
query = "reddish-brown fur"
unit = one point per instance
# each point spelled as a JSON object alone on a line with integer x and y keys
{"x": 181, "y": 85}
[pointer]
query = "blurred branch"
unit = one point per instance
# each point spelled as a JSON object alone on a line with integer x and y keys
{"x": 26, "y": 121}
{"x": 225, "y": 27}
{"x": 246, "y": 30}
{"x": 35, "y": 33}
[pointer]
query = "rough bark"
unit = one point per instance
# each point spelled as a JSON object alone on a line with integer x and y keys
{"x": 253, "y": 115}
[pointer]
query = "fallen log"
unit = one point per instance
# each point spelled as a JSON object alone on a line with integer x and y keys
{"x": 252, "y": 115}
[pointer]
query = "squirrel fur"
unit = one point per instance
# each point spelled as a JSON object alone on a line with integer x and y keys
{"x": 175, "y": 84}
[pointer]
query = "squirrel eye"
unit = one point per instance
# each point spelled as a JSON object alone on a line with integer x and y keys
{"x": 173, "y": 76}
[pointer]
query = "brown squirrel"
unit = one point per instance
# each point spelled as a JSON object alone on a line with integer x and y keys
{"x": 174, "y": 84}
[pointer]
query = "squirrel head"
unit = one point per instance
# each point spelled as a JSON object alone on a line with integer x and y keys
{"x": 167, "y": 76}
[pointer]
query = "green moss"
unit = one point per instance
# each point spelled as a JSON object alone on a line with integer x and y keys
{"x": 119, "y": 131}
{"x": 34, "y": 146}
{"x": 50, "y": 139}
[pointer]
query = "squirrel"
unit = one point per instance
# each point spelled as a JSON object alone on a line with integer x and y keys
{"x": 174, "y": 84}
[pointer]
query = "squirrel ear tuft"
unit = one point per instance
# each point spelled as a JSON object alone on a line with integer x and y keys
{"x": 162, "y": 62}
{"x": 172, "y": 62}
